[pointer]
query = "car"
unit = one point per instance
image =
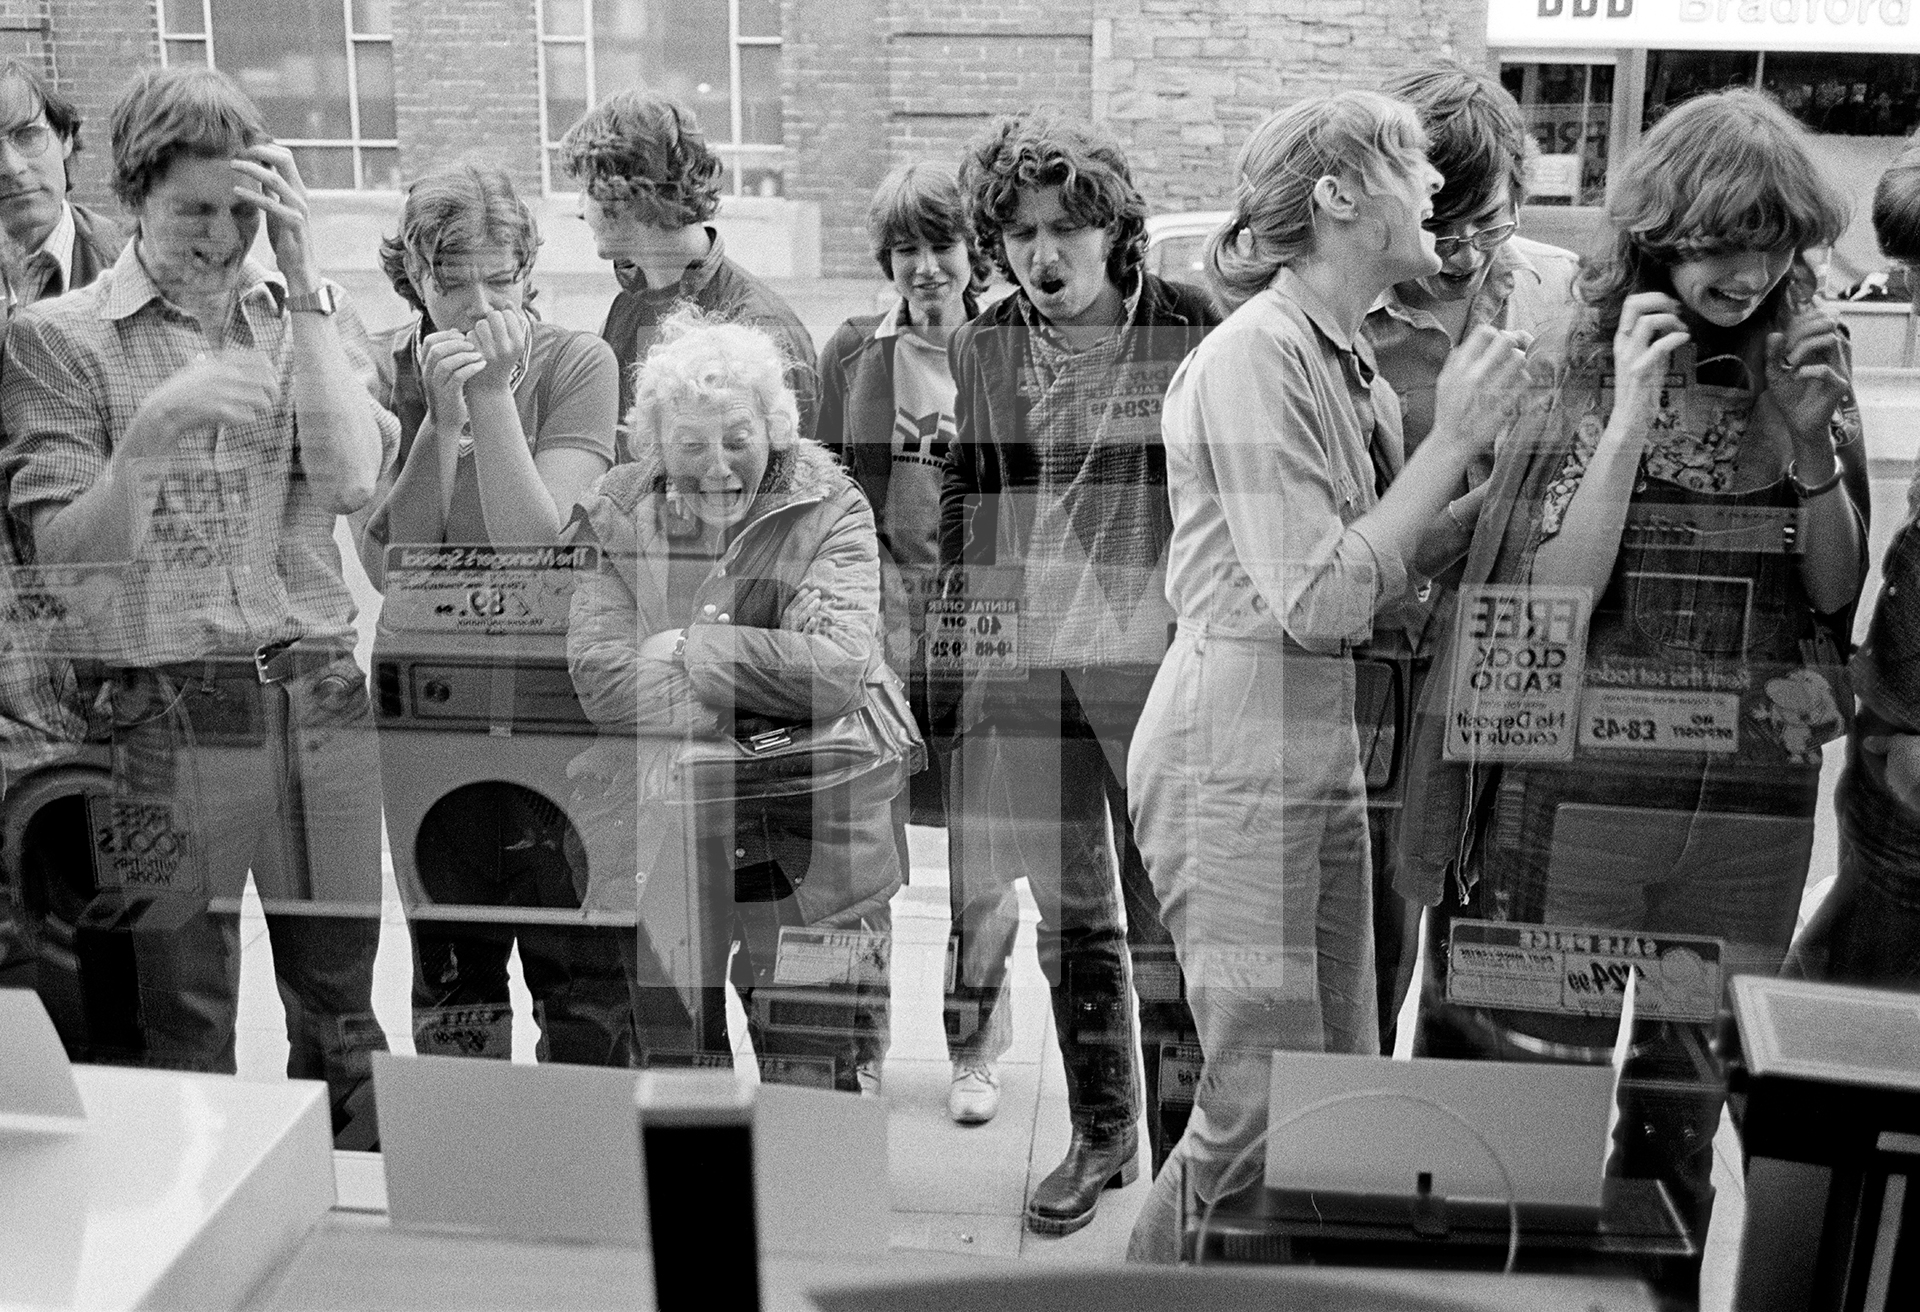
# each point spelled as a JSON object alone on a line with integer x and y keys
{"x": 1177, "y": 244}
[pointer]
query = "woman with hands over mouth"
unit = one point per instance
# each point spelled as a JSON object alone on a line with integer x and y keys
{"x": 1688, "y": 464}
{"x": 1294, "y": 527}
{"x": 505, "y": 422}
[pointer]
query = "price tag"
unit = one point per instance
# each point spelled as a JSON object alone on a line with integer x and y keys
{"x": 485, "y": 590}
{"x": 1518, "y": 656}
{"x": 1646, "y": 720}
{"x": 1581, "y": 971}
{"x": 831, "y": 956}
{"x": 1180, "y": 1068}
{"x": 974, "y": 636}
{"x": 138, "y": 843}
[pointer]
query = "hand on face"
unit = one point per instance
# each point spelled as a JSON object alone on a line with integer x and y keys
{"x": 1650, "y": 331}
{"x": 500, "y": 339}
{"x": 280, "y": 195}
{"x": 448, "y": 361}
{"x": 1808, "y": 373}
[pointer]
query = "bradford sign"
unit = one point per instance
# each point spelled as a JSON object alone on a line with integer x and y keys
{"x": 1876, "y": 26}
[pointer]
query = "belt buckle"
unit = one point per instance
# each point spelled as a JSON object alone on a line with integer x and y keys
{"x": 263, "y": 658}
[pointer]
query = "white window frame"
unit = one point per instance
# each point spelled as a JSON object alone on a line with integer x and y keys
{"x": 733, "y": 152}
{"x": 356, "y": 142}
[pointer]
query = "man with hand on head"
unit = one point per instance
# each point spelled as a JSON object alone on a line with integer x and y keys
{"x": 649, "y": 184}
{"x": 194, "y": 426}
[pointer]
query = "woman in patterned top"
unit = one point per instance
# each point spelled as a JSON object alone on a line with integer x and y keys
{"x": 1688, "y": 461}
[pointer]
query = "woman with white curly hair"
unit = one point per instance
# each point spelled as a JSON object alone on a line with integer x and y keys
{"x": 739, "y": 593}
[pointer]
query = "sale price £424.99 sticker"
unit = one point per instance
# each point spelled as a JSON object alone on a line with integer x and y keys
{"x": 1582, "y": 971}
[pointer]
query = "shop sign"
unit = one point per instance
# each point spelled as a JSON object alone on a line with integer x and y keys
{"x": 1515, "y": 681}
{"x": 482, "y": 589}
{"x": 1875, "y": 26}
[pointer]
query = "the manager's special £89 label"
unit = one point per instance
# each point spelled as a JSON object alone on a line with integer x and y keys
{"x": 1646, "y": 720}
{"x": 482, "y": 589}
{"x": 1518, "y": 654}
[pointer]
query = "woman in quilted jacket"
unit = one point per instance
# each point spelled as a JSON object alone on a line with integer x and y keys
{"x": 738, "y": 593}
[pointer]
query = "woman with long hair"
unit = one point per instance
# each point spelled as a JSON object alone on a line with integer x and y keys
{"x": 1294, "y": 526}
{"x": 1689, "y": 466}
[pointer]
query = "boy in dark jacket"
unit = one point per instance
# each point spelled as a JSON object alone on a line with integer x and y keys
{"x": 1054, "y": 527}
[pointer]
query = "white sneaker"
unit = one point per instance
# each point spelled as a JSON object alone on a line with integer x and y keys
{"x": 868, "y": 1073}
{"x": 974, "y": 1095}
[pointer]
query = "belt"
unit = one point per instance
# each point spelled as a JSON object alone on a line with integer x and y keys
{"x": 274, "y": 662}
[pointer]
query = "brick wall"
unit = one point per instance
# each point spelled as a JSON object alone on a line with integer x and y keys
{"x": 874, "y": 83}
{"x": 466, "y": 82}
{"x": 97, "y": 46}
{"x": 1183, "y": 82}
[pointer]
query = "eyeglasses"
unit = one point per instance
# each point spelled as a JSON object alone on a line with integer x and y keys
{"x": 1484, "y": 240}
{"x": 30, "y": 139}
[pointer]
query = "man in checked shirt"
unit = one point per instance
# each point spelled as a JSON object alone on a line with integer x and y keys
{"x": 188, "y": 428}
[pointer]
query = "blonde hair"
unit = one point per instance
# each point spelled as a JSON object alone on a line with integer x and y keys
{"x": 1355, "y": 134}
{"x": 704, "y": 360}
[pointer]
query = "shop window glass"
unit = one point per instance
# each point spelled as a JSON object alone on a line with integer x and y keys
{"x": 1848, "y": 95}
{"x": 1677, "y": 75}
{"x": 1569, "y": 108}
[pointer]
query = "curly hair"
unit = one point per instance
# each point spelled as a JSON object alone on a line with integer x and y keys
{"x": 454, "y": 212}
{"x": 701, "y": 359}
{"x": 63, "y": 116}
{"x": 1358, "y": 133}
{"x": 1725, "y": 172}
{"x": 922, "y": 202}
{"x": 186, "y": 110}
{"x": 1039, "y": 148}
{"x": 1476, "y": 137}
{"x": 645, "y": 154}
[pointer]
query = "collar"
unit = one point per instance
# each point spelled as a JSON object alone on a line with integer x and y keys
{"x": 1295, "y": 288}
{"x": 893, "y": 323}
{"x": 1495, "y": 291}
{"x": 693, "y": 278}
{"x": 58, "y": 247}
{"x": 132, "y": 290}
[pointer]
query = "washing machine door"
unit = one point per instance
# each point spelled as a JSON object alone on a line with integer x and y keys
{"x": 77, "y": 942}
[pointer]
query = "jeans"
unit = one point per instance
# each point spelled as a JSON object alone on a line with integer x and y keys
{"x": 281, "y": 780}
{"x": 1037, "y": 787}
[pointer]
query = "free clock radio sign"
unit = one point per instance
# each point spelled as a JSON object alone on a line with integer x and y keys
{"x": 1877, "y": 26}
{"x": 1514, "y": 688}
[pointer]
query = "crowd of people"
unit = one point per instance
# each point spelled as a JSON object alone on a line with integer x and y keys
{"x": 1122, "y": 583}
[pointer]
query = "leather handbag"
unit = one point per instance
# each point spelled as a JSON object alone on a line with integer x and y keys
{"x": 875, "y": 742}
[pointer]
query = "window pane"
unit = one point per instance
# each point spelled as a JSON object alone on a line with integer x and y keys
{"x": 373, "y": 62}
{"x": 186, "y": 52}
{"x": 565, "y": 18}
{"x": 373, "y": 17}
{"x": 291, "y": 57}
{"x": 380, "y": 170}
{"x": 760, "y": 95}
{"x": 760, "y": 178}
{"x": 1569, "y": 109}
{"x": 325, "y": 168}
{"x": 1677, "y": 75}
{"x": 1854, "y": 95}
{"x": 677, "y": 49}
{"x": 759, "y": 17}
{"x": 566, "y": 87}
{"x": 184, "y": 16}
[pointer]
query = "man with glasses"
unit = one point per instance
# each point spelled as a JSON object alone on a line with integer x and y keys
{"x": 48, "y": 246}
{"x": 53, "y": 245}
{"x": 1479, "y": 142}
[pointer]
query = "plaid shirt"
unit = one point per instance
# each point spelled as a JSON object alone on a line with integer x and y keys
{"x": 239, "y": 551}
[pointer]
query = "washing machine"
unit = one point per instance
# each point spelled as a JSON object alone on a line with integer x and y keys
{"x": 475, "y": 708}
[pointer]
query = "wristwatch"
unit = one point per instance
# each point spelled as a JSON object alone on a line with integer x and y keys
{"x": 318, "y": 301}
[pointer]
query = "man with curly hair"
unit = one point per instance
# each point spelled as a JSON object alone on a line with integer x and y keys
{"x": 1054, "y": 529}
{"x": 649, "y": 184}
